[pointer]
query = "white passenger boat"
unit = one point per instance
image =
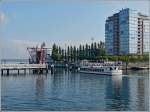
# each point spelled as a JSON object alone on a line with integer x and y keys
{"x": 101, "y": 68}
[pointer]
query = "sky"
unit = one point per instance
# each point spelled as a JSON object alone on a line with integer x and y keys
{"x": 26, "y": 23}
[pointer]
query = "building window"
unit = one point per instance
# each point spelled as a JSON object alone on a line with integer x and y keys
{"x": 121, "y": 32}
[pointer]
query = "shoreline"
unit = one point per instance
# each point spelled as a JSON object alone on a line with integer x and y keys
{"x": 135, "y": 66}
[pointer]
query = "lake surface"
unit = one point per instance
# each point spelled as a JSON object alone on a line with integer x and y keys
{"x": 66, "y": 90}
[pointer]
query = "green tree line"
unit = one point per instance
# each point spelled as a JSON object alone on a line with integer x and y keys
{"x": 125, "y": 58}
{"x": 94, "y": 51}
{"x": 73, "y": 53}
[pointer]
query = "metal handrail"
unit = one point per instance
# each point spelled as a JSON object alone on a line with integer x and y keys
{"x": 10, "y": 66}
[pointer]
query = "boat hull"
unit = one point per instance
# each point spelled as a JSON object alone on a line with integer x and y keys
{"x": 115, "y": 72}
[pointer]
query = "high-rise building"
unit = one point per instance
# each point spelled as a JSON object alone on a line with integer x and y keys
{"x": 127, "y": 32}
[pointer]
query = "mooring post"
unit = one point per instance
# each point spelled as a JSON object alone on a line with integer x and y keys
{"x": 18, "y": 71}
{"x": 2, "y": 72}
{"x": 33, "y": 70}
{"x": 7, "y": 71}
{"x": 24, "y": 71}
{"x": 29, "y": 71}
{"x": 46, "y": 70}
{"x": 41, "y": 71}
{"x": 52, "y": 69}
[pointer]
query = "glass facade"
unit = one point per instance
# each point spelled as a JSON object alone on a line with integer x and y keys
{"x": 133, "y": 28}
{"x": 146, "y": 30}
{"x": 124, "y": 31}
{"x": 133, "y": 31}
{"x": 109, "y": 37}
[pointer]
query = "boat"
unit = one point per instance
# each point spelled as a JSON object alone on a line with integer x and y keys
{"x": 139, "y": 68}
{"x": 101, "y": 68}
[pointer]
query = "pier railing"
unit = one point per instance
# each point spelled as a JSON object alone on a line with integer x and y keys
{"x": 22, "y": 66}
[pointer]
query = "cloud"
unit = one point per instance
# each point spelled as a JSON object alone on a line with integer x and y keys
{"x": 23, "y": 43}
{"x": 2, "y": 18}
{"x": 20, "y": 46}
{"x": 15, "y": 48}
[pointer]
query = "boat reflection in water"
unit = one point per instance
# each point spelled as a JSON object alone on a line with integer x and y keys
{"x": 117, "y": 95}
{"x": 116, "y": 81}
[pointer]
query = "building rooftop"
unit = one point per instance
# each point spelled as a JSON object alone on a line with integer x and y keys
{"x": 140, "y": 14}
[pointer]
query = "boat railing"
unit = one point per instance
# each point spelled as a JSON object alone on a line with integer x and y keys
{"x": 102, "y": 64}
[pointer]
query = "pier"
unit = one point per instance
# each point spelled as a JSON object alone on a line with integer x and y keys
{"x": 36, "y": 68}
{"x": 37, "y": 62}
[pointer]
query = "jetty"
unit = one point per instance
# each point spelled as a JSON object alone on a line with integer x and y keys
{"x": 37, "y": 62}
{"x": 36, "y": 68}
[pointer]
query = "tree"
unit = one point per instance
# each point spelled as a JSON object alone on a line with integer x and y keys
{"x": 89, "y": 51}
{"x": 62, "y": 54}
{"x": 74, "y": 54}
{"x": 80, "y": 52}
{"x": 54, "y": 52}
{"x": 100, "y": 49}
{"x": 77, "y": 54}
{"x": 71, "y": 53}
{"x": 68, "y": 54}
{"x": 95, "y": 49}
{"x": 92, "y": 51}
{"x": 65, "y": 55}
{"x": 83, "y": 52}
{"x": 86, "y": 51}
{"x": 59, "y": 50}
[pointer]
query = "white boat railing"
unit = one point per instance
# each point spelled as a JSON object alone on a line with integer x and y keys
{"x": 101, "y": 64}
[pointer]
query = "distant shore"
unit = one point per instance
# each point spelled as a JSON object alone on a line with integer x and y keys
{"x": 125, "y": 66}
{"x": 135, "y": 66}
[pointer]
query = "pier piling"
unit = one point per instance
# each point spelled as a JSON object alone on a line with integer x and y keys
{"x": 24, "y": 71}
{"x": 7, "y": 71}
{"x": 2, "y": 72}
{"x": 18, "y": 71}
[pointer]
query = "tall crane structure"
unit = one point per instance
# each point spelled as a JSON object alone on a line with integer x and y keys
{"x": 38, "y": 55}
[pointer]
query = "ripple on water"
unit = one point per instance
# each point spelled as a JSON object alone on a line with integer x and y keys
{"x": 75, "y": 91}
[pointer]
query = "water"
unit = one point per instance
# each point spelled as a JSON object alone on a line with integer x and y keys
{"x": 75, "y": 91}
